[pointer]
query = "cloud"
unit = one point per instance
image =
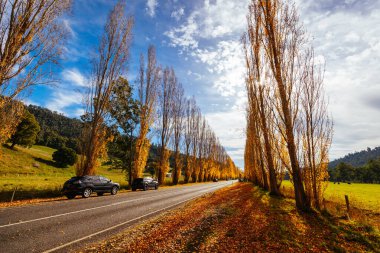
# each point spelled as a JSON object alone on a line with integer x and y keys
{"x": 214, "y": 19}
{"x": 347, "y": 34}
{"x": 226, "y": 62}
{"x": 151, "y": 6}
{"x": 182, "y": 36}
{"x": 74, "y": 77}
{"x": 177, "y": 14}
{"x": 65, "y": 101}
{"x": 68, "y": 27}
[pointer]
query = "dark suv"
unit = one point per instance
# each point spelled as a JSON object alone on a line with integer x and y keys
{"x": 86, "y": 185}
{"x": 144, "y": 183}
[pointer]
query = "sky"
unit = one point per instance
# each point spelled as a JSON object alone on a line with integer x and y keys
{"x": 200, "y": 39}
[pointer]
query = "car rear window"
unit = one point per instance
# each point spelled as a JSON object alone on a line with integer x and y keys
{"x": 75, "y": 179}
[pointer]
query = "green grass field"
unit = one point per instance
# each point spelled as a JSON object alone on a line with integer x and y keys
{"x": 363, "y": 196}
{"x": 34, "y": 173}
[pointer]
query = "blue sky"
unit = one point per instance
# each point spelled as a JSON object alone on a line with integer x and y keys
{"x": 200, "y": 39}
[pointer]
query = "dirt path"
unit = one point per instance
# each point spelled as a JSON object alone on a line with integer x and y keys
{"x": 241, "y": 218}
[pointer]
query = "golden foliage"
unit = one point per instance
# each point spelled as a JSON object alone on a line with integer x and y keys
{"x": 11, "y": 113}
{"x": 94, "y": 147}
{"x": 141, "y": 156}
{"x": 164, "y": 165}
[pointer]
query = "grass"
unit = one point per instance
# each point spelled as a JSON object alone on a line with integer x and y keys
{"x": 34, "y": 173}
{"x": 363, "y": 196}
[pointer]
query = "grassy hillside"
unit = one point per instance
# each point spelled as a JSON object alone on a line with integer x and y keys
{"x": 34, "y": 173}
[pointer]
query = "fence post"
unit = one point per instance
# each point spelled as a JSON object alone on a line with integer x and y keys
{"x": 13, "y": 194}
{"x": 348, "y": 206}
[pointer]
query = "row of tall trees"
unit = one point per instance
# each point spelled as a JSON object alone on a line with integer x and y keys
{"x": 288, "y": 126}
{"x": 180, "y": 128}
{"x": 183, "y": 125}
{"x": 161, "y": 110}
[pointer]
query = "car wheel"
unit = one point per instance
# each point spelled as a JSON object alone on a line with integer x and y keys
{"x": 70, "y": 196}
{"x": 145, "y": 187}
{"x": 100, "y": 193}
{"x": 156, "y": 187}
{"x": 114, "y": 190}
{"x": 87, "y": 193}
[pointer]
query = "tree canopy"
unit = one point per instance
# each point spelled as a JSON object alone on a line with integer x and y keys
{"x": 26, "y": 131}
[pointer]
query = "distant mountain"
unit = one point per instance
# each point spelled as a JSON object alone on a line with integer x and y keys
{"x": 358, "y": 159}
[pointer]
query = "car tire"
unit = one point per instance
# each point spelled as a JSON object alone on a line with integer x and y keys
{"x": 114, "y": 190}
{"x": 156, "y": 187}
{"x": 70, "y": 196}
{"x": 145, "y": 187}
{"x": 100, "y": 193}
{"x": 87, "y": 192}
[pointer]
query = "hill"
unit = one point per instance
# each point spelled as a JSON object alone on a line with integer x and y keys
{"x": 357, "y": 159}
{"x": 56, "y": 129}
{"x": 35, "y": 174}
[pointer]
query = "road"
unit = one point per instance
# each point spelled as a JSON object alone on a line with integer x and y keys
{"x": 60, "y": 226}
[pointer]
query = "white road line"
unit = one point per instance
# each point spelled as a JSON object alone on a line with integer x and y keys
{"x": 121, "y": 224}
{"x": 79, "y": 211}
{"x": 83, "y": 210}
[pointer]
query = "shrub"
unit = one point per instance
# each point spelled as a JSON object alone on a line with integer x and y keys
{"x": 65, "y": 156}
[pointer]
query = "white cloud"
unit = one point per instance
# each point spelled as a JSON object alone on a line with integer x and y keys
{"x": 177, "y": 14}
{"x": 225, "y": 61}
{"x": 74, "y": 77}
{"x": 215, "y": 19}
{"x": 182, "y": 36}
{"x": 68, "y": 27}
{"x": 348, "y": 36}
{"x": 151, "y": 6}
{"x": 62, "y": 99}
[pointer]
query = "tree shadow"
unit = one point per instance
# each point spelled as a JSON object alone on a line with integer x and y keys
{"x": 47, "y": 162}
{"x": 283, "y": 226}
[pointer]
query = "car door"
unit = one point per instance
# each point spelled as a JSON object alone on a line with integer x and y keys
{"x": 151, "y": 183}
{"x": 97, "y": 183}
{"x": 105, "y": 184}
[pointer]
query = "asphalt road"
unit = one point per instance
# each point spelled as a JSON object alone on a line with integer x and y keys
{"x": 60, "y": 226}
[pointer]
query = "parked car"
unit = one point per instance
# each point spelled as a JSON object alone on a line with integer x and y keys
{"x": 215, "y": 180}
{"x": 86, "y": 185}
{"x": 144, "y": 183}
